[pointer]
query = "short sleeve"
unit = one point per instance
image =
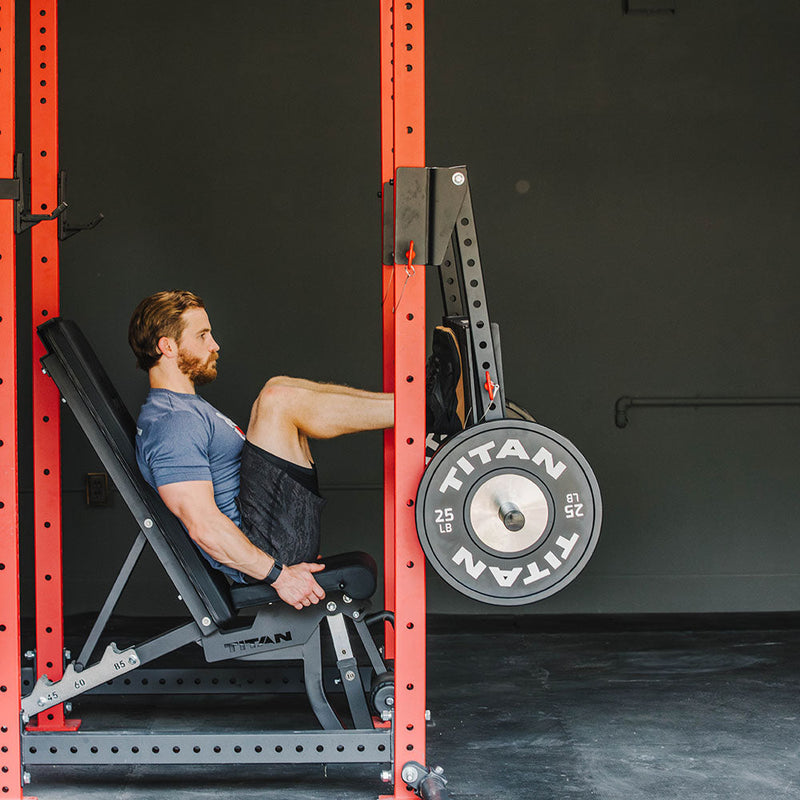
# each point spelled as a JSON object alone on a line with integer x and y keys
{"x": 175, "y": 448}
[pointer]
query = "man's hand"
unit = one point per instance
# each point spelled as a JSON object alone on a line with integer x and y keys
{"x": 297, "y": 586}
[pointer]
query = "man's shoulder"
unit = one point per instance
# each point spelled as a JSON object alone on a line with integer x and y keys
{"x": 170, "y": 412}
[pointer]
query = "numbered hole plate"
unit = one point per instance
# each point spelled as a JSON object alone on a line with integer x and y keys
{"x": 508, "y": 512}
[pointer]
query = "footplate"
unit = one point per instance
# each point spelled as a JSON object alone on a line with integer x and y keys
{"x": 49, "y": 693}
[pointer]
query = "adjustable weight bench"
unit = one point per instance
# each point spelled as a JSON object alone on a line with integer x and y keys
{"x": 273, "y": 631}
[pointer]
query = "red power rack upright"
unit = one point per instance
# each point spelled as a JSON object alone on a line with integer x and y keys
{"x": 10, "y": 684}
{"x": 403, "y": 293}
{"x": 46, "y": 401}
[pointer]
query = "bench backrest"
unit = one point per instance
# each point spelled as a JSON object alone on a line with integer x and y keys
{"x": 88, "y": 391}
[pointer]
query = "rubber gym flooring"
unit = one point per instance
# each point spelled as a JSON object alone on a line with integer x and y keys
{"x": 606, "y": 709}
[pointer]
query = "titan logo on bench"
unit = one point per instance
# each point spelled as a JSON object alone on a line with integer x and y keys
{"x": 257, "y": 642}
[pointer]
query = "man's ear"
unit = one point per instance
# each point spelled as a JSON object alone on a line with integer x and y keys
{"x": 168, "y": 347}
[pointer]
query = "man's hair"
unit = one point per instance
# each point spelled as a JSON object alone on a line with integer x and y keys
{"x": 156, "y": 316}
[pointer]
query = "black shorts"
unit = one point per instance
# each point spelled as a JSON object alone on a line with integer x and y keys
{"x": 280, "y": 509}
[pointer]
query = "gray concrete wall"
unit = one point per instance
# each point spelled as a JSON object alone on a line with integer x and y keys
{"x": 635, "y": 181}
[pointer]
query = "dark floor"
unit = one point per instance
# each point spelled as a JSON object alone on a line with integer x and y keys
{"x": 523, "y": 712}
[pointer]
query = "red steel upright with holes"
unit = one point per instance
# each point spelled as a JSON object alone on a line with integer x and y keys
{"x": 46, "y": 400}
{"x": 403, "y": 145}
{"x": 10, "y": 684}
{"x": 387, "y": 175}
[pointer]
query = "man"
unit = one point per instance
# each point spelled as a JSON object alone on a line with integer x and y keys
{"x": 250, "y": 503}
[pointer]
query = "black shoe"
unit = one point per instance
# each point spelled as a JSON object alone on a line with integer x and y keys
{"x": 444, "y": 385}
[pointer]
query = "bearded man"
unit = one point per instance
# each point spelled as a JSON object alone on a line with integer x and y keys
{"x": 250, "y": 502}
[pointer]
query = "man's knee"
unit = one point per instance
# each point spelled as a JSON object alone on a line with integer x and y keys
{"x": 278, "y": 395}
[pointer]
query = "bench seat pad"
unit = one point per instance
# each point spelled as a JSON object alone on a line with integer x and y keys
{"x": 354, "y": 574}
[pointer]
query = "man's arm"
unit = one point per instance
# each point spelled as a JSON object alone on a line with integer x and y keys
{"x": 193, "y": 503}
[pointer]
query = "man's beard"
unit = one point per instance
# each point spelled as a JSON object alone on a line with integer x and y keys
{"x": 198, "y": 371}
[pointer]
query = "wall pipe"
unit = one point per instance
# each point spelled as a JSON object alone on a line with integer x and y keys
{"x": 624, "y": 404}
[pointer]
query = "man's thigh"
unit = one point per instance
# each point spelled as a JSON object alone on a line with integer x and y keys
{"x": 279, "y": 515}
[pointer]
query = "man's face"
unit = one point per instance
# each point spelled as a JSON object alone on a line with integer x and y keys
{"x": 197, "y": 350}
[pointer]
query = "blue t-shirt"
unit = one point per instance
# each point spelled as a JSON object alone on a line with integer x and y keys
{"x": 181, "y": 437}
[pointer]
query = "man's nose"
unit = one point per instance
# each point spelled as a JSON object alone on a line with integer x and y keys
{"x": 214, "y": 345}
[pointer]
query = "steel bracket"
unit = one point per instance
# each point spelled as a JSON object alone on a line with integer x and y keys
{"x": 49, "y": 693}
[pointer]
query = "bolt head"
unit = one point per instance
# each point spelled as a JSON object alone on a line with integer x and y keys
{"x": 205, "y": 622}
{"x": 458, "y": 178}
{"x": 347, "y": 599}
{"x": 350, "y": 675}
{"x": 331, "y": 606}
{"x": 410, "y": 774}
{"x": 26, "y": 778}
{"x": 356, "y": 614}
{"x": 386, "y": 715}
{"x": 386, "y": 776}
